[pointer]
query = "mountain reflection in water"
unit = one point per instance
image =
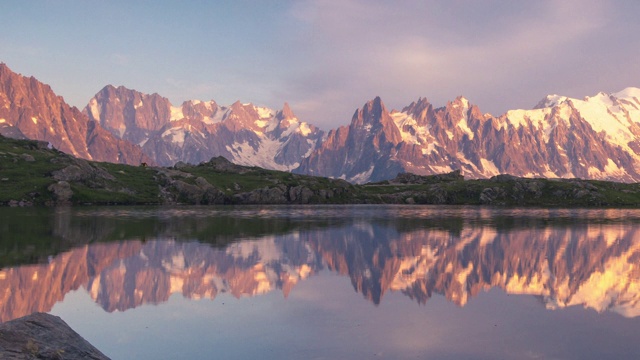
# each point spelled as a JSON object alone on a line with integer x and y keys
{"x": 142, "y": 256}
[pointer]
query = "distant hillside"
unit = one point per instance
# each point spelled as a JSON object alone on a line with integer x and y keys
{"x": 33, "y": 173}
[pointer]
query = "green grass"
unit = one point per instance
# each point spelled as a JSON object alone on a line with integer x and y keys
{"x": 26, "y": 169}
{"x": 133, "y": 184}
{"x": 25, "y": 180}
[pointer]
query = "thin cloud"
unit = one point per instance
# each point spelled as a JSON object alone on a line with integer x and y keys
{"x": 119, "y": 59}
{"x": 403, "y": 50}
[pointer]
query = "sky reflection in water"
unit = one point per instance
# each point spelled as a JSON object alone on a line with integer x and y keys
{"x": 278, "y": 282}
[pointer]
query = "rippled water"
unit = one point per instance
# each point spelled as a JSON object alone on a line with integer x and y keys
{"x": 317, "y": 282}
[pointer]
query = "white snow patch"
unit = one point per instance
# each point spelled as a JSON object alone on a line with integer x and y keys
{"x": 613, "y": 170}
{"x": 273, "y": 124}
{"x": 34, "y": 119}
{"x": 176, "y": 113}
{"x": 490, "y": 168}
{"x": 605, "y": 116}
{"x": 610, "y": 114}
{"x": 304, "y": 129}
{"x": 261, "y": 123}
{"x": 449, "y": 134}
{"x": 460, "y": 156}
{"x": 138, "y": 105}
{"x": 408, "y": 137}
{"x": 462, "y": 124}
{"x": 218, "y": 116}
{"x": 293, "y": 127}
{"x": 553, "y": 100}
{"x": 95, "y": 111}
{"x": 631, "y": 94}
{"x": 312, "y": 146}
{"x": 431, "y": 148}
{"x": 2, "y": 121}
{"x": 612, "y": 288}
{"x": 363, "y": 177}
{"x": 440, "y": 169}
{"x": 177, "y": 135}
{"x": 176, "y": 284}
{"x": 244, "y": 154}
{"x": 266, "y": 248}
{"x": 409, "y": 130}
{"x": 94, "y": 287}
{"x": 537, "y": 117}
{"x": 264, "y": 113}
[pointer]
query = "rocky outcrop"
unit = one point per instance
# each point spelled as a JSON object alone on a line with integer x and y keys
{"x": 44, "y": 336}
{"x": 501, "y": 190}
{"x": 413, "y": 179}
{"x": 178, "y": 185}
{"x": 29, "y": 108}
{"x": 62, "y": 192}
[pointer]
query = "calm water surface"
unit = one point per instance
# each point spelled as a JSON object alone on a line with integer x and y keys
{"x": 350, "y": 282}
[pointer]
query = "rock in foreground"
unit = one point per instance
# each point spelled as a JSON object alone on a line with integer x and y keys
{"x": 43, "y": 336}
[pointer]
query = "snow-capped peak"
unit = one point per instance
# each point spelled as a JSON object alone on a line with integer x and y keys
{"x": 631, "y": 94}
{"x": 550, "y": 101}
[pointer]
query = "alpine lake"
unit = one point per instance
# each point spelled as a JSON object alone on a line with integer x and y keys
{"x": 330, "y": 282}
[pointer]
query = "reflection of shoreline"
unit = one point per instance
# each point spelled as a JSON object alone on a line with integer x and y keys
{"x": 121, "y": 276}
{"x": 595, "y": 266}
{"x": 591, "y": 265}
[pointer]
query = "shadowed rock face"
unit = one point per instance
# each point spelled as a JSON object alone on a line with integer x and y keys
{"x": 29, "y": 108}
{"x": 43, "y": 336}
{"x": 592, "y": 265}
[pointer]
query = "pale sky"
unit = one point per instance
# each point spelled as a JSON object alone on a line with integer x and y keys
{"x": 327, "y": 58}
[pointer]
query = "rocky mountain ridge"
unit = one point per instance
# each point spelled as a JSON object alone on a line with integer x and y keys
{"x": 196, "y": 131}
{"x": 597, "y": 137}
{"x": 594, "y": 138}
{"x": 30, "y": 109}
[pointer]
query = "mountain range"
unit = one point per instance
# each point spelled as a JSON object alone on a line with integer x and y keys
{"x": 597, "y": 137}
{"x": 196, "y": 131}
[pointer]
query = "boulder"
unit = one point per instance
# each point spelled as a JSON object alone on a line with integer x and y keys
{"x": 61, "y": 191}
{"x": 300, "y": 194}
{"x": 489, "y": 196}
{"x": 43, "y": 336}
{"x": 28, "y": 158}
{"x": 192, "y": 193}
{"x": 81, "y": 171}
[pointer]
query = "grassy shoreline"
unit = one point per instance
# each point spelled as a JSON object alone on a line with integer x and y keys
{"x": 33, "y": 174}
